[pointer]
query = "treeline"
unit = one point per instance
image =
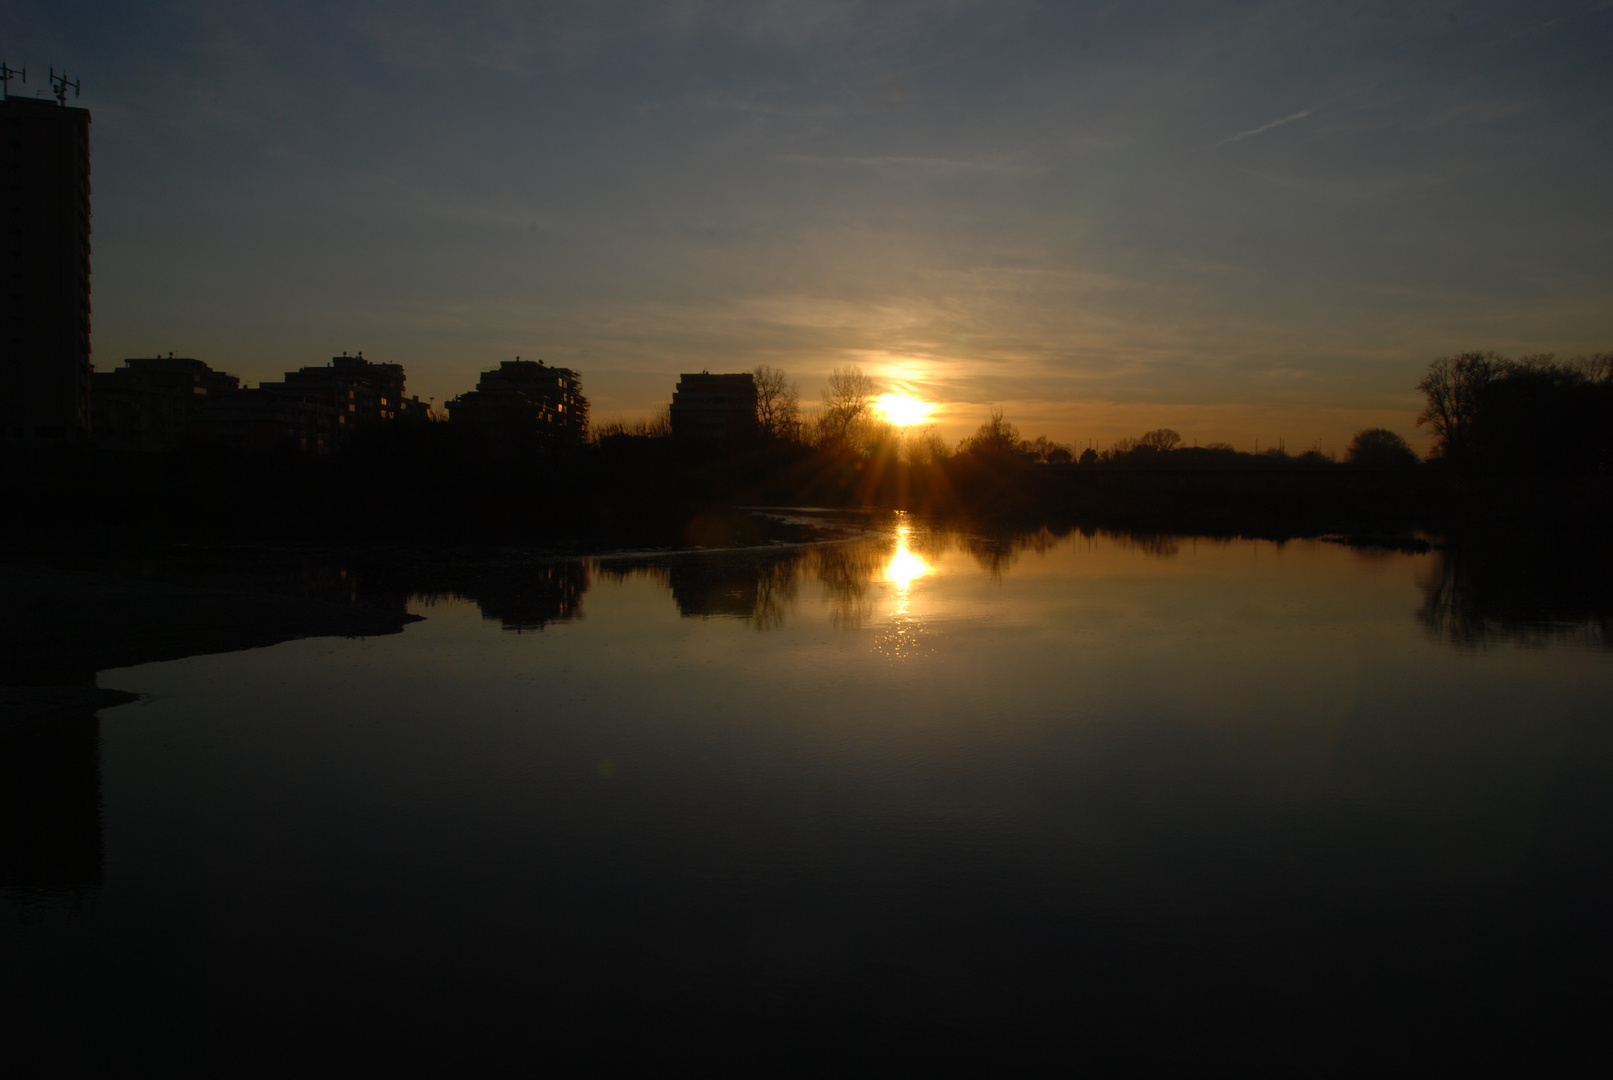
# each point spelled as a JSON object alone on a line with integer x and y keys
{"x": 1524, "y": 440}
{"x": 438, "y": 483}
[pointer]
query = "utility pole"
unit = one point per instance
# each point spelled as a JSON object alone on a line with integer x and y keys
{"x": 59, "y": 85}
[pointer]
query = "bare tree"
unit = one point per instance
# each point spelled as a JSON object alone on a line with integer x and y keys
{"x": 1452, "y": 389}
{"x": 658, "y": 425}
{"x": 1054, "y": 453}
{"x": 1161, "y": 439}
{"x": 778, "y": 403}
{"x": 1118, "y": 449}
{"x": 848, "y": 404}
{"x": 1597, "y": 368}
{"x": 927, "y": 447}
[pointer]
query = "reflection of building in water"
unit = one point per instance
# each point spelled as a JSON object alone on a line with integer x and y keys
{"x": 527, "y": 597}
{"x": 707, "y": 406}
{"x": 759, "y": 586}
{"x": 50, "y": 803}
{"x": 704, "y": 586}
{"x": 845, "y": 571}
{"x": 525, "y": 399}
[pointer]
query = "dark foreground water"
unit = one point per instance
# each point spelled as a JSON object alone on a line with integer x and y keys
{"x": 916, "y": 796}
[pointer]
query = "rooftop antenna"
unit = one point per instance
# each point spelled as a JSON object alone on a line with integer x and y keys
{"x": 7, "y": 73}
{"x": 59, "y": 85}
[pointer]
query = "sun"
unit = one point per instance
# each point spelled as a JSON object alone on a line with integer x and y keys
{"x": 902, "y": 410}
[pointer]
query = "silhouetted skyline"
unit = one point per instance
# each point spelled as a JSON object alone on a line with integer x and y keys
{"x": 1258, "y": 221}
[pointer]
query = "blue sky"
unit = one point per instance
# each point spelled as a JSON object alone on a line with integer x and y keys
{"x": 1239, "y": 220}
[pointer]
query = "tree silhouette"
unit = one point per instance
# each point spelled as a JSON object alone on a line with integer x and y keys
{"x": 1451, "y": 392}
{"x": 995, "y": 438}
{"x": 778, "y": 402}
{"x": 848, "y": 404}
{"x": 1161, "y": 439}
{"x": 1380, "y": 448}
{"x": 1045, "y": 449}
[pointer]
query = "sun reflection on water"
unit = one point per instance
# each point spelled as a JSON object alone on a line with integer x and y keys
{"x": 901, "y": 638}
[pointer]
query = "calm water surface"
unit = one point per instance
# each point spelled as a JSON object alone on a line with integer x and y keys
{"x": 1146, "y": 798}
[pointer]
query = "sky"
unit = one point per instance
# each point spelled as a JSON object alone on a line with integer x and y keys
{"x": 1240, "y": 220}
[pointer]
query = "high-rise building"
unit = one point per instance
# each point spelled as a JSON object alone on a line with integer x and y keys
{"x": 45, "y": 276}
{"x": 707, "y": 406}
{"x": 357, "y": 390}
{"x": 154, "y": 403}
{"x": 525, "y": 399}
{"x": 262, "y": 421}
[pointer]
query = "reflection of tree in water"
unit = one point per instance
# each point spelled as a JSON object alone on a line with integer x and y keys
{"x": 760, "y": 585}
{"x": 1529, "y": 594}
{"x": 617, "y": 571}
{"x": 521, "y": 596}
{"x": 775, "y": 592}
{"x": 846, "y": 571}
{"x": 929, "y": 544}
{"x": 756, "y": 584}
{"x": 997, "y": 553}
{"x": 1156, "y": 545}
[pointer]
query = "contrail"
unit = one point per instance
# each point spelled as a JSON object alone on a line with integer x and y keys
{"x": 1267, "y": 127}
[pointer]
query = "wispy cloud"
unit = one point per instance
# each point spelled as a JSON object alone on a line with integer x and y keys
{"x": 1302, "y": 114}
{"x": 928, "y": 164}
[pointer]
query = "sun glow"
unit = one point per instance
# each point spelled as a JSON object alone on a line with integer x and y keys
{"x": 903, "y": 410}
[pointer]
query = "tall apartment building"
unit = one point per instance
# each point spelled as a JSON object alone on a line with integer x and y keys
{"x": 357, "y": 391}
{"x": 261, "y": 421}
{"x": 154, "y": 403}
{"x": 45, "y": 275}
{"x": 707, "y": 406}
{"x": 525, "y": 399}
{"x": 160, "y": 403}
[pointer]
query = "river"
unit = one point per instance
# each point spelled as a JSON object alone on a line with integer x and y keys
{"x": 1135, "y": 797}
